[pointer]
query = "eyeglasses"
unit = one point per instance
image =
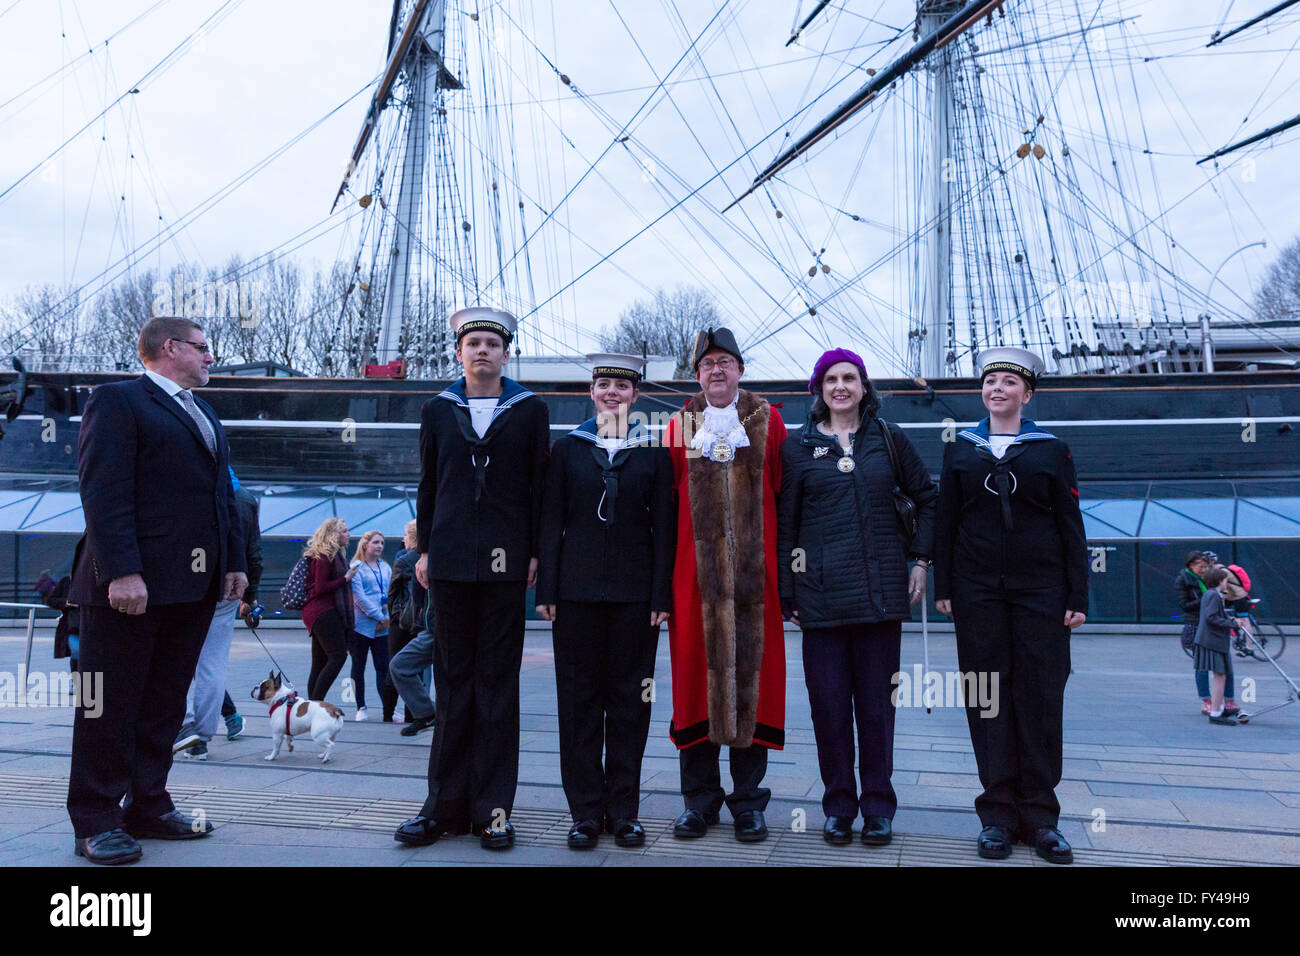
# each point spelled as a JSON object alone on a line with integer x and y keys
{"x": 198, "y": 345}
{"x": 726, "y": 364}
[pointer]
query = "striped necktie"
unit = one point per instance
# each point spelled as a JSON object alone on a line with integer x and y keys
{"x": 205, "y": 427}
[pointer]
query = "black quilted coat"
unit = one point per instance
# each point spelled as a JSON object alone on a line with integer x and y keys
{"x": 851, "y": 567}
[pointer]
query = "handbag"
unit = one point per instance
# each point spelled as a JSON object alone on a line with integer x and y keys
{"x": 909, "y": 521}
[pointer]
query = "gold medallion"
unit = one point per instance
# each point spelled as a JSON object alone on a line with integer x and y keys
{"x": 846, "y": 464}
{"x": 722, "y": 450}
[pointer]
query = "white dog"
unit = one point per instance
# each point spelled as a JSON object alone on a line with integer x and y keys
{"x": 290, "y": 715}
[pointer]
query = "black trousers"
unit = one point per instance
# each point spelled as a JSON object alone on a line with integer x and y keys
{"x": 702, "y": 780}
{"x": 850, "y": 674}
{"x": 146, "y": 662}
{"x": 604, "y": 658}
{"x": 478, "y": 646}
{"x": 329, "y": 652}
{"x": 1019, "y": 636}
{"x": 398, "y": 637}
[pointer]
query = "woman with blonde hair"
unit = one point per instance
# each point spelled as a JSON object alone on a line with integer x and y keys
{"x": 369, "y": 634}
{"x": 328, "y": 611}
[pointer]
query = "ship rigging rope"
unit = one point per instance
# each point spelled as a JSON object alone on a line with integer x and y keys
{"x": 195, "y": 211}
{"x": 604, "y": 117}
{"x": 81, "y": 56}
{"x": 169, "y": 60}
{"x": 614, "y": 142}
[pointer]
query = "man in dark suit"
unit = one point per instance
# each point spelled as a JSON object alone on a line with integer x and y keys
{"x": 162, "y": 546}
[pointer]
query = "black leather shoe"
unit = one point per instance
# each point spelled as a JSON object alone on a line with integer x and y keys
{"x": 877, "y": 831}
{"x": 110, "y": 848}
{"x": 693, "y": 823}
{"x": 417, "y": 725}
{"x": 169, "y": 826}
{"x": 1051, "y": 846}
{"x": 750, "y": 826}
{"x": 628, "y": 833}
{"x": 838, "y": 831}
{"x": 994, "y": 843}
{"x": 584, "y": 835}
{"x": 495, "y": 838}
{"x": 420, "y": 831}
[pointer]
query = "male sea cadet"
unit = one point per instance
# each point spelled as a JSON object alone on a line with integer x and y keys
{"x": 725, "y": 635}
{"x": 483, "y": 449}
{"x": 1011, "y": 568}
{"x": 605, "y": 579}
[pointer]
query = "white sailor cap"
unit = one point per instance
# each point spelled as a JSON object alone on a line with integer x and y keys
{"x": 1007, "y": 359}
{"x": 484, "y": 320}
{"x": 616, "y": 365}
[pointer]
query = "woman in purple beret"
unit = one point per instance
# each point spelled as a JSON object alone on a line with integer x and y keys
{"x": 844, "y": 552}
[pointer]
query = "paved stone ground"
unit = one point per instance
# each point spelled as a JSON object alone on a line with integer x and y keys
{"x": 1147, "y": 780}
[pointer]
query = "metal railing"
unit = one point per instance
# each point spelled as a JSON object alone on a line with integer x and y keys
{"x": 31, "y": 610}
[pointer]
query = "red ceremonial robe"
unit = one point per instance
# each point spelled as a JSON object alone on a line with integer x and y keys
{"x": 728, "y": 654}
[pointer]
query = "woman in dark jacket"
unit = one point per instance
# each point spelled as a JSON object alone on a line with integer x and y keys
{"x": 604, "y": 576}
{"x": 844, "y": 580}
{"x": 1011, "y": 569}
{"x": 328, "y": 612}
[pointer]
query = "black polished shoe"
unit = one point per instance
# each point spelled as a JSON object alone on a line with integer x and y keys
{"x": 750, "y": 826}
{"x": 1051, "y": 846}
{"x": 994, "y": 843}
{"x": 417, "y": 725}
{"x": 421, "y": 831}
{"x": 495, "y": 838}
{"x": 693, "y": 823}
{"x": 169, "y": 826}
{"x": 628, "y": 833}
{"x": 110, "y": 848}
{"x": 584, "y": 835}
{"x": 838, "y": 831}
{"x": 877, "y": 831}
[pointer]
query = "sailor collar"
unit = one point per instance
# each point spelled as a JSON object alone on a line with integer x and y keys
{"x": 637, "y": 434}
{"x": 512, "y": 393}
{"x": 979, "y": 435}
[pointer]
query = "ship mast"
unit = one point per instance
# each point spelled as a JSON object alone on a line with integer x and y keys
{"x": 423, "y": 70}
{"x": 936, "y": 318}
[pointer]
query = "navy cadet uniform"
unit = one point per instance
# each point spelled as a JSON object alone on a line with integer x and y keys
{"x": 478, "y": 514}
{"x": 606, "y": 559}
{"x": 1011, "y": 554}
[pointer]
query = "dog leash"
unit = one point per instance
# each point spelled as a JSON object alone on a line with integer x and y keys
{"x": 268, "y": 653}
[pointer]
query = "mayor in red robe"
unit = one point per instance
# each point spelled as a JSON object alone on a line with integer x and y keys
{"x": 726, "y": 634}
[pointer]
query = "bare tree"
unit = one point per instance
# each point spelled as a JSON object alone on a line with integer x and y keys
{"x": 113, "y": 323}
{"x": 1278, "y": 299}
{"x": 664, "y": 325}
{"x": 281, "y": 300}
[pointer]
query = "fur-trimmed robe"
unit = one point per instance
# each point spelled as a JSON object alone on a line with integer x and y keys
{"x": 725, "y": 634}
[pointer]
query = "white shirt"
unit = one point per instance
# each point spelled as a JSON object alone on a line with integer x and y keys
{"x": 998, "y": 444}
{"x": 720, "y": 423}
{"x": 174, "y": 390}
{"x": 612, "y": 445}
{"x": 480, "y": 414}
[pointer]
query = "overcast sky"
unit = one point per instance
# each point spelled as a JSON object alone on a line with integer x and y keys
{"x": 266, "y": 70}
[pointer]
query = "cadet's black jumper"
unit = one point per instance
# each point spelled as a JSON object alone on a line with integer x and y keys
{"x": 1011, "y": 555}
{"x": 478, "y": 515}
{"x": 606, "y": 560}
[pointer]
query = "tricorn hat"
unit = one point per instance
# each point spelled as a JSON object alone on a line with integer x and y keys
{"x": 720, "y": 338}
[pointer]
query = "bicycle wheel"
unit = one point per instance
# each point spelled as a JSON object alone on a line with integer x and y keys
{"x": 1269, "y": 636}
